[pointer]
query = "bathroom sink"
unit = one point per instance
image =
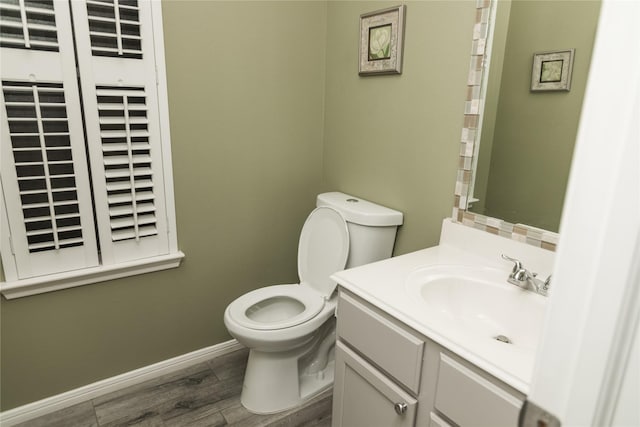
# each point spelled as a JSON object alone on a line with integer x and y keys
{"x": 479, "y": 302}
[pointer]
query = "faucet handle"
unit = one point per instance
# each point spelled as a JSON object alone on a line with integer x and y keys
{"x": 517, "y": 264}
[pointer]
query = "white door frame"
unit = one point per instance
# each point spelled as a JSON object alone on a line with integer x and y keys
{"x": 593, "y": 309}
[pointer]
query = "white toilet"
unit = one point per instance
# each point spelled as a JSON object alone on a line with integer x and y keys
{"x": 290, "y": 329}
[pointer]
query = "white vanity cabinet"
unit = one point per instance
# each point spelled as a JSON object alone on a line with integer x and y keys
{"x": 388, "y": 375}
{"x": 378, "y": 367}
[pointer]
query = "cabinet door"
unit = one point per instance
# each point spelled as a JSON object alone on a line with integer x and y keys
{"x": 436, "y": 421}
{"x": 363, "y": 397}
{"x": 470, "y": 400}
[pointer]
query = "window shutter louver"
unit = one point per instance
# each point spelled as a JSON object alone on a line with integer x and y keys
{"x": 44, "y": 173}
{"x": 39, "y": 132}
{"x": 127, "y": 161}
{"x": 114, "y": 28}
{"x": 28, "y": 24}
{"x": 123, "y": 128}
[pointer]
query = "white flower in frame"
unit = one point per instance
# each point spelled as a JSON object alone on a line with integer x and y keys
{"x": 379, "y": 42}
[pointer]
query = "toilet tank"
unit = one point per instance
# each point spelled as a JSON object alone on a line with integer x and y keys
{"x": 372, "y": 227}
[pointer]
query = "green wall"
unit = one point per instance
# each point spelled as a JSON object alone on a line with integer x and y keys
{"x": 535, "y": 131}
{"x": 394, "y": 139}
{"x": 267, "y": 110}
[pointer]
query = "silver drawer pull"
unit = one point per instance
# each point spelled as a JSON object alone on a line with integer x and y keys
{"x": 400, "y": 408}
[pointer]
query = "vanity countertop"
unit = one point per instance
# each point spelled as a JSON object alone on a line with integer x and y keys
{"x": 383, "y": 284}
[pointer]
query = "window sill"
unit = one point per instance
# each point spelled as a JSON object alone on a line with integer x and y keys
{"x": 86, "y": 276}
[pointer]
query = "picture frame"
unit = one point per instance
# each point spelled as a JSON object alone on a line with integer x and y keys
{"x": 552, "y": 70}
{"x": 382, "y": 41}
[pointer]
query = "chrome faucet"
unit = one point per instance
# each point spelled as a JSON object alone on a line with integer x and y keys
{"x": 523, "y": 278}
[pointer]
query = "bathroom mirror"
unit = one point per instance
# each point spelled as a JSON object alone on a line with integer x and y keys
{"x": 517, "y": 144}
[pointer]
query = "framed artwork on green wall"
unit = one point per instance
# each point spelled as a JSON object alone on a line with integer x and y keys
{"x": 381, "y": 41}
{"x": 552, "y": 70}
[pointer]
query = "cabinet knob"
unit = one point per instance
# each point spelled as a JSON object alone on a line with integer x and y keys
{"x": 400, "y": 408}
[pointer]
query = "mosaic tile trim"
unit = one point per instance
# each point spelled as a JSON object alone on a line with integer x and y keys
{"x": 473, "y": 108}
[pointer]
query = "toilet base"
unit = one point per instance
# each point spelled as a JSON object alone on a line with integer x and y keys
{"x": 272, "y": 382}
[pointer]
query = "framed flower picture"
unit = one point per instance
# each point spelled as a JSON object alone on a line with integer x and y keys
{"x": 552, "y": 70}
{"x": 381, "y": 41}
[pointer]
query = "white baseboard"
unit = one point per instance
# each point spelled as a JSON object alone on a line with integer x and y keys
{"x": 64, "y": 400}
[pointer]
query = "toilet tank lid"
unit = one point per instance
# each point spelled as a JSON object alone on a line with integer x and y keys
{"x": 360, "y": 211}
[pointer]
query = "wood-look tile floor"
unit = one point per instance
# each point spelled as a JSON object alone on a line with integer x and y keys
{"x": 207, "y": 394}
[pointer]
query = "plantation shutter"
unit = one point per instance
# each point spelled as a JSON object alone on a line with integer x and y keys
{"x": 45, "y": 182}
{"x": 28, "y": 24}
{"x": 114, "y": 40}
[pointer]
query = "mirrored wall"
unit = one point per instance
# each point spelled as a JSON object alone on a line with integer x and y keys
{"x": 517, "y": 144}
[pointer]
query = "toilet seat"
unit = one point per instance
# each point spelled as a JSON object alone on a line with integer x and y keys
{"x": 293, "y": 295}
{"x": 322, "y": 250}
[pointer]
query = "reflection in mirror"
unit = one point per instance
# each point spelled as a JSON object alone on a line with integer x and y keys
{"x": 527, "y": 137}
{"x": 521, "y": 161}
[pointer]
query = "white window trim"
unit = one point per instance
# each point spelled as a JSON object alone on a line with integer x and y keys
{"x": 11, "y": 289}
{"x": 86, "y": 276}
{"x": 165, "y": 131}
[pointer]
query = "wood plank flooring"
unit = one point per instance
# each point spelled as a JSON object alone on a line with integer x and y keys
{"x": 207, "y": 394}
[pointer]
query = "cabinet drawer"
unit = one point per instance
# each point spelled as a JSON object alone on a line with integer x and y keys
{"x": 364, "y": 397}
{"x": 436, "y": 421}
{"x": 468, "y": 399}
{"x": 393, "y": 349}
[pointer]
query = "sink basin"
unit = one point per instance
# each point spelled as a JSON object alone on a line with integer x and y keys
{"x": 479, "y": 301}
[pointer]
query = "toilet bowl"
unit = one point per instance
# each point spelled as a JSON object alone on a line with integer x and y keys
{"x": 301, "y": 312}
{"x": 290, "y": 329}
